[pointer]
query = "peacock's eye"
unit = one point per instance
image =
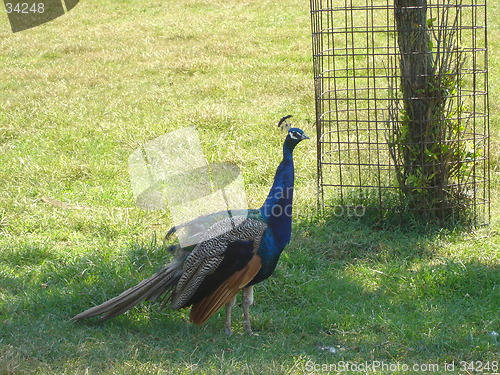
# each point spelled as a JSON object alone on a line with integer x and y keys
{"x": 294, "y": 135}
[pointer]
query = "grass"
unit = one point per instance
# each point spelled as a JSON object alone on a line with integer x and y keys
{"x": 80, "y": 93}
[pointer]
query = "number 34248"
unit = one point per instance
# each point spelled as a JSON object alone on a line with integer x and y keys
{"x": 25, "y": 8}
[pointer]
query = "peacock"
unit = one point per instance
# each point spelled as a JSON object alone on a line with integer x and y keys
{"x": 235, "y": 253}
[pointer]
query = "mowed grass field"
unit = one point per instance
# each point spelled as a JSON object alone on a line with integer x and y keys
{"x": 81, "y": 93}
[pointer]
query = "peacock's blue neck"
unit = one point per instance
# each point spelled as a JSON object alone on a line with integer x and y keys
{"x": 277, "y": 208}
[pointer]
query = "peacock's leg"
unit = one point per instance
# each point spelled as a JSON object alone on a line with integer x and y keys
{"x": 247, "y": 302}
{"x": 229, "y": 306}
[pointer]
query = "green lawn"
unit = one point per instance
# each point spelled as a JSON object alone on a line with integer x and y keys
{"x": 81, "y": 93}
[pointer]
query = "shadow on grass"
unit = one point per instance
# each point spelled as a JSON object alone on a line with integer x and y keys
{"x": 400, "y": 297}
{"x": 342, "y": 292}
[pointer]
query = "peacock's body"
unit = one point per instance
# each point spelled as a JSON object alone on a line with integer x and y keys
{"x": 233, "y": 254}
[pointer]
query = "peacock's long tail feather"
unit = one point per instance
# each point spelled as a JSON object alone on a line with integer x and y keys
{"x": 151, "y": 288}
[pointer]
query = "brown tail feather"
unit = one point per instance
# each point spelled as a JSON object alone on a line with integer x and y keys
{"x": 203, "y": 310}
{"x": 150, "y": 288}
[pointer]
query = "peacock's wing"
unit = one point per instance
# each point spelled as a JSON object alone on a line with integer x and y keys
{"x": 236, "y": 279}
{"x": 220, "y": 265}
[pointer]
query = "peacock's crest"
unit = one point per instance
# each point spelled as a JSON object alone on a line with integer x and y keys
{"x": 283, "y": 124}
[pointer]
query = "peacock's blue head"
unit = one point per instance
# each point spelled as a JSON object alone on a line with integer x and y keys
{"x": 294, "y": 136}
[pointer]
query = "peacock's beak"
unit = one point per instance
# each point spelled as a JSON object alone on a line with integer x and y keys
{"x": 304, "y": 137}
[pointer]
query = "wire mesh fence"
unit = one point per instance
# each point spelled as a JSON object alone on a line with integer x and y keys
{"x": 402, "y": 107}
